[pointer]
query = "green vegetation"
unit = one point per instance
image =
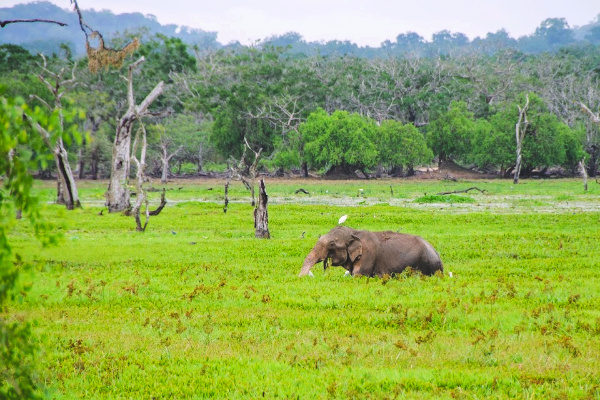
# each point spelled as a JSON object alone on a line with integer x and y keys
{"x": 385, "y": 113}
{"x": 19, "y": 151}
{"x": 195, "y": 307}
{"x": 451, "y": 198}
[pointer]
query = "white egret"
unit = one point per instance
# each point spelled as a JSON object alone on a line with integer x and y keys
{"x": 343, "y": 219}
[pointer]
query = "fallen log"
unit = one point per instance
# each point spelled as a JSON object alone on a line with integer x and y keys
{"x": 463, "y": 191}
{"x": 163, "y": 203}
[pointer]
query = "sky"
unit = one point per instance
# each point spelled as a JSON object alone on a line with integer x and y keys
{"x": 359, "y": 21}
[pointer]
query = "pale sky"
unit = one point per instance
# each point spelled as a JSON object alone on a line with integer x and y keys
{"x": 362, "y": 22}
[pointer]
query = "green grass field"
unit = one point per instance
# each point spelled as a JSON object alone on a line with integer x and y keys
{"x": 196, "y": 307}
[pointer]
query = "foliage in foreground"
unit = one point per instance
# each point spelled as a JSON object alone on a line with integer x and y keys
{"x": 20, "y": 150}
{"x": 198, "y": 308}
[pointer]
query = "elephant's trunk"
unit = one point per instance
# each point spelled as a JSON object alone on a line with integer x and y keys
{"x": 317, "y": 254}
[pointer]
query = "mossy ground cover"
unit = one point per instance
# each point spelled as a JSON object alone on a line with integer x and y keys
{"x": 196, "y": 307}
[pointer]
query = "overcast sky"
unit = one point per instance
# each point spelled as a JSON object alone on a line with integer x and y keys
{"x": 364, "y": 22}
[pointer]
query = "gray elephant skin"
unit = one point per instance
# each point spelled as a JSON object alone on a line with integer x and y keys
{"x": 373, "y": 253}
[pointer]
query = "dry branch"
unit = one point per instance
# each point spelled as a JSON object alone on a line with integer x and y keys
{"x": 102, "y": 57}
{"x": 595, "y": 117}
{"x": 163, "y": 203}
{"x": 463, "y": 191}
{"x": 17, "y": 21}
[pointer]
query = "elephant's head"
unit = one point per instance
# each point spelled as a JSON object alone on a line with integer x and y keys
{"x": 340, "y": 245}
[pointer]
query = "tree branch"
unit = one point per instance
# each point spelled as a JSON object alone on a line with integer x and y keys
{"x": 157, "y": 91}
{"x": 463, "y": 191}
{"x": 595, "y": 117}
{"x": 17, "y": 21}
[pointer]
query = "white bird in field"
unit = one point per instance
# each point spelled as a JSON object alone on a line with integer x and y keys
{"x": 450, "y": 274}
{"x": 343, "y": 219}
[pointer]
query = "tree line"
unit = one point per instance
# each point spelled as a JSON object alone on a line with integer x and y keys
{"x": 327, "y": 113}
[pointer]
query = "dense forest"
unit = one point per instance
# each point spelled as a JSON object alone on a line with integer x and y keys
{"x": 328, "y": 107}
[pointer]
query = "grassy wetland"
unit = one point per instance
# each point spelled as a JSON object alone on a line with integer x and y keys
{"x": 196, "y": 307}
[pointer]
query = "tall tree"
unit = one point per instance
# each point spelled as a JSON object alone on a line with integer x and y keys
{"x": 402, "y": 145}
{"x": 341, "y": 141}
{"x": 448, "y": 135}
{"x": 117, "y": 194}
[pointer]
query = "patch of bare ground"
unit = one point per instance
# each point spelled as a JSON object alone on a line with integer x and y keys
{"x": 449, "y": 170}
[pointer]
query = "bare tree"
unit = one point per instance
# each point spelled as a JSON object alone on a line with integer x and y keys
{"x": 117, "y": 195}
{"x": 253, "y": 170}
{"x": 491, "y": 77}
{"x": 520, "y": 130}
{"x": 141, "y": 195}
{"x": 394, "y": 88}
{"x": 237, "y": 169}
{"x": 58, "y": 85}
{"x": 165, "y": 157}
{"x": 283, "y": 112}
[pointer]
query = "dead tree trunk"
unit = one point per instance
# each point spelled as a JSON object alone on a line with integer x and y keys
{"x": 117, "y": 195}
{"x": 520, "y": 130}
{"x": 261, "y": 215}
{"x": 583, "y": 174}
{"x": 141, "y": 195}
{"x": 66, "y": 188}
{"x": 70, "y": 195}
{"x": 226, "y": 195}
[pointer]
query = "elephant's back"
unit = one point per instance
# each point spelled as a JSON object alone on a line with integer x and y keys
{"x": 415, "y": 251}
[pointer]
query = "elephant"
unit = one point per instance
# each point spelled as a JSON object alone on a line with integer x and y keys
{"x": 368, "y": 253}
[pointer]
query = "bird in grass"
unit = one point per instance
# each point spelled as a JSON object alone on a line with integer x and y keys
{"x": 343, "y": 219}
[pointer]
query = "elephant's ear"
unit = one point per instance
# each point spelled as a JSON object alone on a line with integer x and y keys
{"x": 354, "y": 248}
